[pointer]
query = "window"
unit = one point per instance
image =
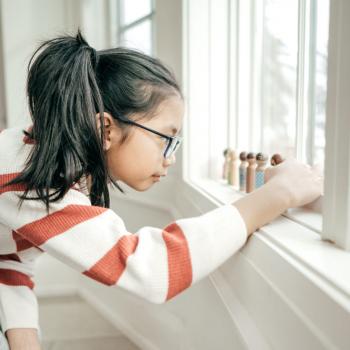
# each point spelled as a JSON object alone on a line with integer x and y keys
{"x": 136, "y": 24}
{"x": 256, "y": 80}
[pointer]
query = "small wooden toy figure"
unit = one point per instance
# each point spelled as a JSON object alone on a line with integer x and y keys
{"x": 261, "y": 159}
{"x": 233, "y": 169}
{"x": 243, "y": 171}
{"x": 276, "y": 159}
{"x": 251, "y": 172}
{"x": 226, "y": 163}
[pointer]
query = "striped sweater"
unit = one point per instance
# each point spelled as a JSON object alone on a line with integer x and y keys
{"x": 153, "y": 263}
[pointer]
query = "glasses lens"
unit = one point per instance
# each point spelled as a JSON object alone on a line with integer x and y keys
{"x": 172, "y": 148}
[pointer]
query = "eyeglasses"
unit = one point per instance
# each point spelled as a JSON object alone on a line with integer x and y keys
{"x": 172, "y": 142}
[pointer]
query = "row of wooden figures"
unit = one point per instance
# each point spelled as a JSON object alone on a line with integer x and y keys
{"x": 246, "y": 171}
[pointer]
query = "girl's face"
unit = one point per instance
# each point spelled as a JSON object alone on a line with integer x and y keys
{"x": 140, "y": 157}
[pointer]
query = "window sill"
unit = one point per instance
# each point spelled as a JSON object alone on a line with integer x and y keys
{"x": 309, "y": 216}
{"x": 295, "y": 235}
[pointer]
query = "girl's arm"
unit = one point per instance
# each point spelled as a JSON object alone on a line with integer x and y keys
{"x": 23, "y": 339}
{"x": 153, "y": 263}
{"x": 262, "y": 206}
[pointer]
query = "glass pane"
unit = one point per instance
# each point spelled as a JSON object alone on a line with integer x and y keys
{"x": 279, "y": 77}
{"x": 244, "y": 75}
{"x": 320, "y": 80}
{"x": 218, "y": 87}
{"x": 132, "y": 10}
{"x": 139, "y": 37}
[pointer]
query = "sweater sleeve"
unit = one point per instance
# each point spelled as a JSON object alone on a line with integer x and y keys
{"x": 18, "y": 303}
{"x": 153, "y": 263}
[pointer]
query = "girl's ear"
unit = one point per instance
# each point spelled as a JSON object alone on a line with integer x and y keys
{"x": 109, "y": 124}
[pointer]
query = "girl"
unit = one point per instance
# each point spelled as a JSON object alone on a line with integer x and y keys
{"x": 98, "y": 118}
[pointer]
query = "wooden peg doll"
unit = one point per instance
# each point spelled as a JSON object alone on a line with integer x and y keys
{"x": 276, "y": 159}
{"x": 243, "y": 171}
{"x": 251, "y": 172}
{"x": 233, "y": 169}
{"x": 225, "y": 167}
{"x": 261, "y": 160}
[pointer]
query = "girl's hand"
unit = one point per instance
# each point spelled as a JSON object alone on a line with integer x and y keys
{"x": 303, "y": 182}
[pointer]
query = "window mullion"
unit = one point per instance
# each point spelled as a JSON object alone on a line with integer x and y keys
{"x": 124, "y": 28}
{"x": 336, "y": 206}
{"x": 310, "y": 141}
{"x": 302, "y": 81}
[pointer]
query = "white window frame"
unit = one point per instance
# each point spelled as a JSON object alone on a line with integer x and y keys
{"x": 121, "y": 29}
{"x": 336, "y": 214}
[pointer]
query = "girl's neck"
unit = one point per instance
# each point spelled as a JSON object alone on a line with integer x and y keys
{"x": 88, "y": 183}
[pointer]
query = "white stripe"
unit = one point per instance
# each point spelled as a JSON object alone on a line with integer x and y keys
{"x": 7, "y": 243}
{"x": 29, "y": 254}
{"x": 27, "y": 268}
{"x": 33, "y": 210}
{"x": 85, "y": 244}
{"x": 18, "y": 308}
{"x": 146, "y": 273}
{"x": 212, "y": 238}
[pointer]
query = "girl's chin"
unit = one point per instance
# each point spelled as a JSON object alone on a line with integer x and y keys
{"x": 143, "y": 185}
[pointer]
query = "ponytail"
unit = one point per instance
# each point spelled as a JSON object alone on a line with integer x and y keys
{"x": 68, "y": 84}
{"x": 64, "y": 98}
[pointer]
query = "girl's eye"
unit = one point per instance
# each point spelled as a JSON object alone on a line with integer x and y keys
{"x": 164, "y": 139}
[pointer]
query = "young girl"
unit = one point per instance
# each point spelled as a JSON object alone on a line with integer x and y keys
{"x": 98, "y": 118}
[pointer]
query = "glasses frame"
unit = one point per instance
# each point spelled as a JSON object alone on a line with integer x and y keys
{"x": 170, "y": 139}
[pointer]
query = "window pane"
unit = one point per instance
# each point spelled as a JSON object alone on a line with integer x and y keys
{"x": 218, "y": 87}
{"x": 139, "y": 37}
{"x": 132, "y": 10}
{"x": 320, "y": 80}
{"x": 244, "y": 75}
{"x": 279, "y": 77}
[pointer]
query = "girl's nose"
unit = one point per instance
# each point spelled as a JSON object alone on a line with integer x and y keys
{"x": 170, "y": 161}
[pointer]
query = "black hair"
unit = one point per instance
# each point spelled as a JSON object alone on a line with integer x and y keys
{"x": 68, "y": 83}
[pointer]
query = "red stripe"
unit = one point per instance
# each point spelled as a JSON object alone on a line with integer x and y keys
{"x": 39, "y": 231}
{"x": 15, "y": 278}
{"x": 110, "y": 267}
{"x": 5, "y": 179}
{"x": 13, "y": 257}
{"x": 179, "y": 260}
{"x": 21, "y": 243}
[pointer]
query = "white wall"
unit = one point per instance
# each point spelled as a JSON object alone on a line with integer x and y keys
{"x": 24, "y": 25}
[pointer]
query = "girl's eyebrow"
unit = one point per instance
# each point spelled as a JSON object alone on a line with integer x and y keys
{"x": 173, "y": 129}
